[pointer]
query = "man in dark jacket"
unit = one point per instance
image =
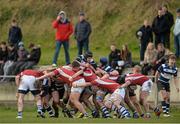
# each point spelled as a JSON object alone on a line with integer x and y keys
{"x": 170, "y": 21}
{"x": 160, "y": 28}
{"x": 82, "y": 33}
{"x": 144, "y": 34}
{"x": 15, "y": 34}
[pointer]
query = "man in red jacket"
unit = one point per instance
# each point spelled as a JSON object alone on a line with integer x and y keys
{"x": 63, "y": 31}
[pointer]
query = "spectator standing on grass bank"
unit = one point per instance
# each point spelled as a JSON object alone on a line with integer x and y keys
{"x": 82, "y": 33}
{"x": 160, "y": 28}
{"x": 63, "y": 31}
{"x": 177, "y": 34}
{"x": 170, "y": 21}
{"x": 15, "y": 34}
{"x": 144, "y": 34}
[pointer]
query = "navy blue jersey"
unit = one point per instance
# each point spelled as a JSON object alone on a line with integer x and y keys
{"x": 107, "y": 68}
{"x": 82, "y": 59}
{"x": 166, "y": 72}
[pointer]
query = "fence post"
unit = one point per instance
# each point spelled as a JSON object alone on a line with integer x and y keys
{"x": 156, "y": 95}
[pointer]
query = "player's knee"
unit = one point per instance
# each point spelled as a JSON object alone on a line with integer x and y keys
{"x": 20, "y": 101}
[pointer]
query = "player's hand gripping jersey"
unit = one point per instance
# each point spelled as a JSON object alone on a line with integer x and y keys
{"x": 65, "y": 71}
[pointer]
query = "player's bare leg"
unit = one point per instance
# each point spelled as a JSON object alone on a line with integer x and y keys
{"x": 39, "y": 105}
{"x": 143, "y": 102}
{"x": 20, "y": 104}
{"x": 137, "y": 105}
{"x": 74, "y": 98}
{"x": 130, "y": 104}
{"x": 85, "y": 99}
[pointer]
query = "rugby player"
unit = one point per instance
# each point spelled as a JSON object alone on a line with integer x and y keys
{"x": 163, "y": 75}
{"x": 65, "y": 73}
{"x": 146, "y": 85}
{"x": 25, "y": 81}
{"x": 110, "y": 86}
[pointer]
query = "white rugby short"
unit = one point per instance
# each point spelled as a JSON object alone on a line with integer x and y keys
{"x": 78, "y": 89}
{"x": 27, "y": 84}
{"x": 147, "y": 86}
{"x": 118, "y": 94}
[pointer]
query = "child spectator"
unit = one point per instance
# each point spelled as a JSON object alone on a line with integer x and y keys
{"x": 149, "y": 59}
{"x": 126, "y": 56}
{"x": 162, "y": 55}
{"x": 114, "y": 56}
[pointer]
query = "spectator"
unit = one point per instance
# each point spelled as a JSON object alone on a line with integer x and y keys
{"x": 162, "y": 55}
{"x": 33, "y": 57}
{"x": 22, "y": 58}
{"x": 82, "y": 33}
{"x": 12, "y": 57}
{"x": 126, "y": 56}
{"x": 149, "y": 59}
{"x": 170, "y": 22}
{"x": 177, "y": 34}
{"x": 3, "y": 56}
{"x": 15, "y": 34}
{"x": 63, "y": 31}
{"x": 145, "y": 36}
{"x": 114, "y": 56}
{"x": 160, "y": 28}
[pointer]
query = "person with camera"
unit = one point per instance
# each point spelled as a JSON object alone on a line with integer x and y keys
{"x": 144, "y": 34}
{"x": 64, "y": 29}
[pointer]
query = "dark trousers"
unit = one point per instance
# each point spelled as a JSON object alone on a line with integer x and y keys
{"x": 66, "y": 50}
{"x": 142, "y": 51}
{"x": 1, "y": 68}
{"x": 160, "y": 38}
{"x": 82, "y": 44}
{"x": 177, "y": 45}
{"x": 167, "y": 40}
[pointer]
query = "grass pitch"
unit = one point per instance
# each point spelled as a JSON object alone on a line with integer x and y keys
{"x": 8, "y": 115}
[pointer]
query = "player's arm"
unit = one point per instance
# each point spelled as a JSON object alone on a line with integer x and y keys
{"x": 81, "y": 84}
{"x": 17, "y": 79}
{"x": 101, "y": 71}
{"x": 50, "y": 74}
{"x": 76, "y": 74}
{"x": 126, "y": 84}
